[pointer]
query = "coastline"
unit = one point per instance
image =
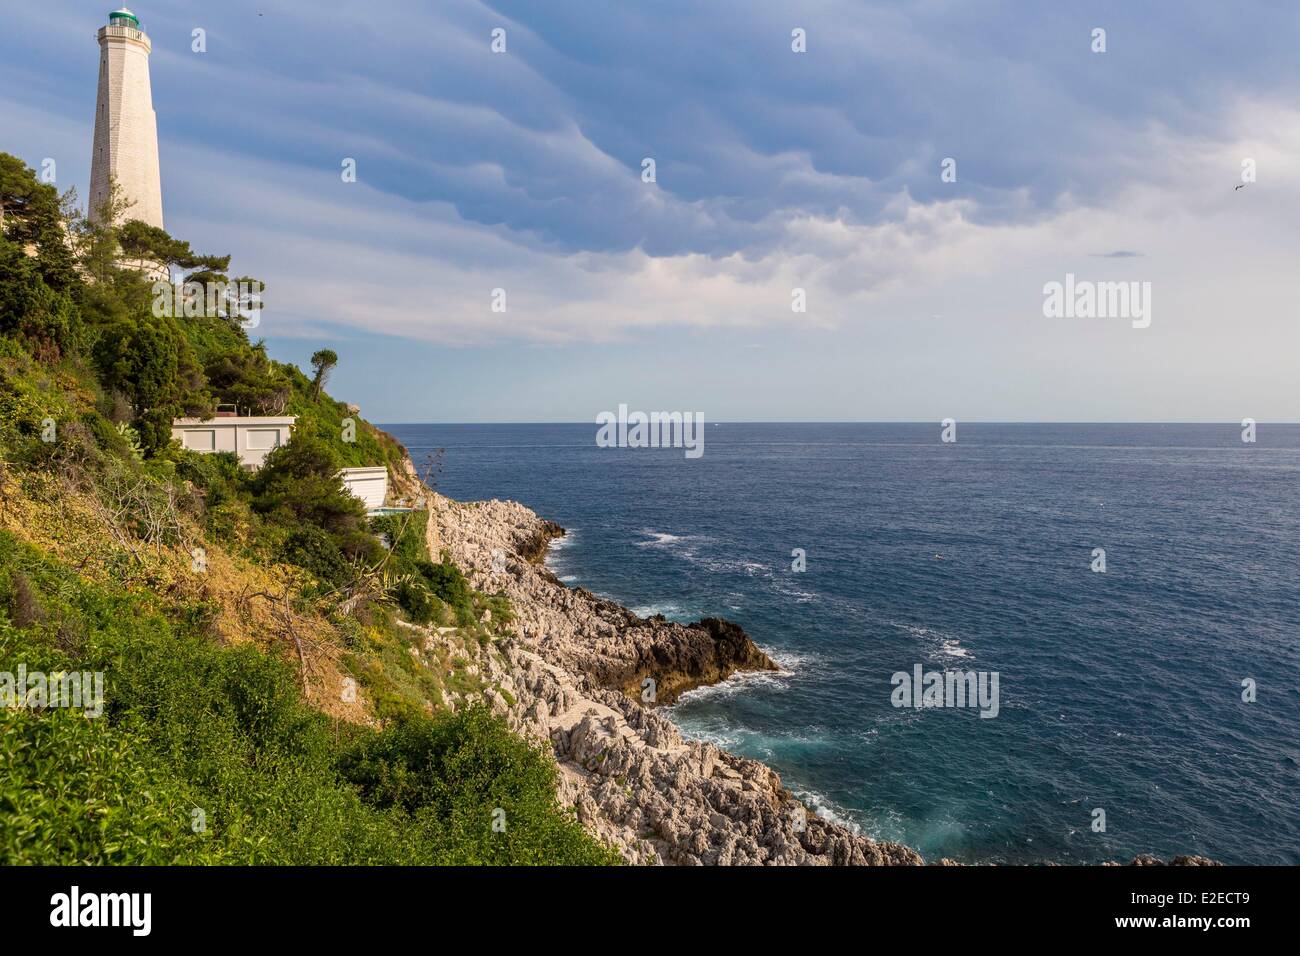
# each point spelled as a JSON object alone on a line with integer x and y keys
{"x": 573, "y": 674}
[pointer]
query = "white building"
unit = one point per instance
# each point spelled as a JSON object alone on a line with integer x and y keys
{"x": 126, "y": 127}
{"x": 251, "y": 438}
{"x": 368, "y": 484}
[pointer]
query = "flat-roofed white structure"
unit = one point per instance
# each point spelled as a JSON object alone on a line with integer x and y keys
{"x": 368, "y": 484}
{"x": 251, "y": 438}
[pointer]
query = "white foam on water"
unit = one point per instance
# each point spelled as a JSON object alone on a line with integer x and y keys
{"x": 827, "y": 809}
{"x": 555, "y": 557}
{"x": 673, "y": 612}
{"x": 951, "y": 647}
{"x": 687, "y": 547}
{"x": 736, "y": 683}
{"x": 942, "y": 646}
{"x": 800, "y": 596}
{"x": 566, "y": 539}
{"x": 662, "y": 539}
{"x": 790, "y": 662}
{"x": 737, "y": 738}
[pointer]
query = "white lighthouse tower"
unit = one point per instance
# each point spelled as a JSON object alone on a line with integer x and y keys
{"x": 126, "y": 129}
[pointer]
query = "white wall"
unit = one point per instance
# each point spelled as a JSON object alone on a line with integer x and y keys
{"x": 252, "y": 439}
{"x": 368, "y": 484}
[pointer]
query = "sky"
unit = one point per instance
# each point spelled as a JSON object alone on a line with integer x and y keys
{"x": 523, "y": 170}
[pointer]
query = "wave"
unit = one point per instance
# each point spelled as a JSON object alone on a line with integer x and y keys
{"x": 663, "y": 539}
{"x": 556, "y": 546}
{"x": 827, "y": 809}
{"x": 556, "y": 560}
{"x": 792, "y": 663}
{"x": 741, "y": 681}
{"x": 800, "y": 596}
{"x": 951, "y": 647}
{"x": 738, "y": 738}
{"x": 941, "y": 646}
{"x": 690, "y": 548}
{"x": 673, "y": 612}
{"x": 685, "y": 547}
{"x": 564, "y": 540}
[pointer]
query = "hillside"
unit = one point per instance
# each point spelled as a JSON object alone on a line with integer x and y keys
{"x": 268, "y": 696}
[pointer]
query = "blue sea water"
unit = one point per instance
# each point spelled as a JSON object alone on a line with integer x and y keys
{"x": 1119, "y": 690}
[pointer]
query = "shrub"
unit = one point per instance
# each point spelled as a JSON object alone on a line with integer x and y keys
{"x": 220, "y": 476}
{"x": 457, "y": 776}
{"x": 300, "y": 482}
{"x": 209, "y": 755}
{"x": 414, "y": 598}
{"x": 312, "y": 549}
{"x": 447, "y": 582}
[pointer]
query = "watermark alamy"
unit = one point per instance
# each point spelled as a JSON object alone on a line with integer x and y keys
{"x": 36, "y": 690}
{"x": 946, "y": 689}
{"x": 651, "y": 430}
{"x": 1085, "y": 299}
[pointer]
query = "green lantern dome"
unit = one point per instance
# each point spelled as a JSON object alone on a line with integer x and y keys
{"x": 123, "y": 17}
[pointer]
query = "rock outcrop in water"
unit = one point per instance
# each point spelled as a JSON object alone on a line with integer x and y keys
{"x": 576, "y": 674}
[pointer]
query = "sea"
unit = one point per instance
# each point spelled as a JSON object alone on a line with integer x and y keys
{"x": 1135, "y": 588}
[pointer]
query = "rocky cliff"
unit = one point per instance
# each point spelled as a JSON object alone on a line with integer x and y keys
{"x": 587, "y": 675}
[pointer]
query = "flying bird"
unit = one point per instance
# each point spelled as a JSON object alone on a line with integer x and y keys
{"x": 1235, "y": 188}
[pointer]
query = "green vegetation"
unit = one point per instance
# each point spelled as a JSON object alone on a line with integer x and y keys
{"x": 430, "y": 593}
{"x": 323, "y": 361}
{"x": 207, "y": 755}
{"x": 401, "y": 674}
{"x": 223, "y": 607}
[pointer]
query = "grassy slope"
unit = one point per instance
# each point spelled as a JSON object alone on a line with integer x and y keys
{"x": 207, "y": 754}
{"x": 216, "y": 745}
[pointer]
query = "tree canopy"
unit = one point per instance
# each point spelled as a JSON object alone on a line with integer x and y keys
{"x": 323, "y": 361}
{"x": 143, "y": 243}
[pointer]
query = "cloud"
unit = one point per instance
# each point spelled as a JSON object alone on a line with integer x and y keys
{"x": 348, "y": 255}
{"x": 546, "y": 140}
{"x": 775, "y": 170}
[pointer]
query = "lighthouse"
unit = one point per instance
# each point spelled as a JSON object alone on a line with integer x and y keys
{"x": 126, "y": 129}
